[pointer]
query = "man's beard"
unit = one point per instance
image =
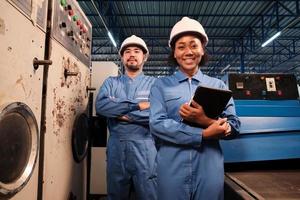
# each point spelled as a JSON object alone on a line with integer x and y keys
{"x": 132, "y": 68}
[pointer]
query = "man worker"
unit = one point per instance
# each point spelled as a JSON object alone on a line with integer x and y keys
{"x": 131, "y": 149}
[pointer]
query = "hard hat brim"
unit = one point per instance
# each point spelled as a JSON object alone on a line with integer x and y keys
{"x": 202, "y": 38}
{"x": 133, "y": 45}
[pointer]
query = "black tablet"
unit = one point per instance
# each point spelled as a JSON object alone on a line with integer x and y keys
{"x": 212, "y": 100}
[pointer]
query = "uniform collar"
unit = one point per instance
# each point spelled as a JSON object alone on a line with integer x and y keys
{"x": 138, "y": 77}
{"x": 180, "y": 76}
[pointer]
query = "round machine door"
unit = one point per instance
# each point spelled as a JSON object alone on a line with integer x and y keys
{"x": 80, "y": 137}
{"x": 19, "y": 147}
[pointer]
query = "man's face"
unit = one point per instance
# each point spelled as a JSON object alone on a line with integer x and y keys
{"x": 133, "y": 58}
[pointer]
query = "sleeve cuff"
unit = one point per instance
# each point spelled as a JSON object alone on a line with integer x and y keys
{"x": 196, "y": 132}
{"x": 133, "y": 107}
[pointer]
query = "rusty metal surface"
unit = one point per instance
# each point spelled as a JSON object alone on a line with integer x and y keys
{"x": 20, "y": 42}
{"x": 269, "y": 184}
{"x": 66, "y": 98}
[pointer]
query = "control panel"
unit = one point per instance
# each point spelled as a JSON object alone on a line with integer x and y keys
{"x": 72, "y": 29}
{"x": 263, "y": 86}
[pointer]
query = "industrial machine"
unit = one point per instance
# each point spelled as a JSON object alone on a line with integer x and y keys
{"x": 68, "y": 82}
{"x": 22, "y": 40}
{"x": 269, "y": 109}
{"x": 262, "y": 163}
{"x": 45, "y": 81}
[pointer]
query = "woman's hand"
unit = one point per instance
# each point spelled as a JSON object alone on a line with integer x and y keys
{"x": 219, "y": 129}
{"x": 195, "y": 113}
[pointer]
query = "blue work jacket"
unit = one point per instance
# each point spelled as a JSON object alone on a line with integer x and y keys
{"x": 119, "y": 96}
{"x": 168, "y": 94}
{"x": 188, "y": 166}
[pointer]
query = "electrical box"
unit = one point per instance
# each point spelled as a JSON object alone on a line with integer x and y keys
{"x": 263, "y": 86}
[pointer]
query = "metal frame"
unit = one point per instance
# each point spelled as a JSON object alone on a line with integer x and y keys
{"x": 236, "y": 45}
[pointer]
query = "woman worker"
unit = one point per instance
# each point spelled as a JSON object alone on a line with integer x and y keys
{"x": 189, "y": 160}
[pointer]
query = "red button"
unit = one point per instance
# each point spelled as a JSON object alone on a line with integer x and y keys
{"x": 71, "y": 12}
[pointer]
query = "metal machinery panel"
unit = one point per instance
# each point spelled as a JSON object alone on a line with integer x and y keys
{"x": 67, "y": 98}
{"x": 22, "y": 27}
{"x": 264, "y": 184}
{"x": 263, "y": 86}
{"x": 269, "y": 108}
{"x": 72, "y": 29}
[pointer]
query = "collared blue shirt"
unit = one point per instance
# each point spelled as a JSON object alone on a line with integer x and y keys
{"x": 168, "y": 94}
{"x": 119, "y": 96}
{"x": 188, "y": 167}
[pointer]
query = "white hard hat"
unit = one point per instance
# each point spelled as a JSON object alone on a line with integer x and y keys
{"x": 187, "y": 25}
{"x": 134, "y": 41}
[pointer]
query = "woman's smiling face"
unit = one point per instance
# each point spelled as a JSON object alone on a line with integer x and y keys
{"x": 188, "y": 52}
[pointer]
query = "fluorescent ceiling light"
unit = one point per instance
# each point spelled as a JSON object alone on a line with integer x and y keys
{"x": 225, "y": 68}
{"x": 271, "y": 39}
{"x": 109, "y": 34}
{"x": 112, "y": 39}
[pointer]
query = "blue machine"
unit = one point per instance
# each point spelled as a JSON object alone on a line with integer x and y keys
{"x": 269, "y": 109}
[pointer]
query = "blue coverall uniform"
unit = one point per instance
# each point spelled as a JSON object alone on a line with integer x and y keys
{"x": 131, "y": 151}
{"x": 188, "y": 167}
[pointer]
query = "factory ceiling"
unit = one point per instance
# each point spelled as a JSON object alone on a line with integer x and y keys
{"x": 236, "y": 31}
